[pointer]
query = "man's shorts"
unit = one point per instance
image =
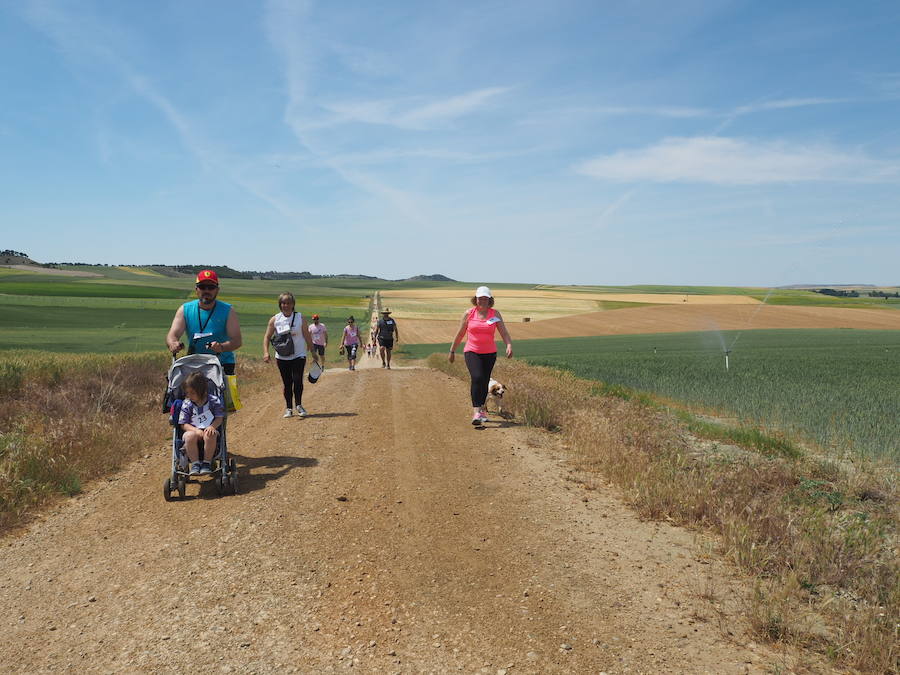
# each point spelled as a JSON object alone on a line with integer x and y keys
{"x": 319, "y": 349}
{"x": 386, "y": 343}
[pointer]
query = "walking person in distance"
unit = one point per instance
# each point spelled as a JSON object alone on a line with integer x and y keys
{"x": 288, "y": 333}
{"x": 388, "y": 334}
{"x": 350, "y": 342}
{"x": 478, "y": 326}
{"x": 319, "y": 334}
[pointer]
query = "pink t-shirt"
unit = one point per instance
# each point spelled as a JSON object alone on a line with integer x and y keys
{"x": 318, "y": 332}
{"x": 351, "y": 335}
{"x": 480, "y": 332}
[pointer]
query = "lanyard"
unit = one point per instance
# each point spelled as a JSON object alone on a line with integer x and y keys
{"x": 209, "y": 316}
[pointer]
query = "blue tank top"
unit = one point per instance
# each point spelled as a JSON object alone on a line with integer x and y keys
{"x": 204, "y": 326}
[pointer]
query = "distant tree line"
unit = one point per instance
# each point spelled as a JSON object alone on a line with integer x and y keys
{"x": 11, "y": 253}
{"x": 837, "y": 293}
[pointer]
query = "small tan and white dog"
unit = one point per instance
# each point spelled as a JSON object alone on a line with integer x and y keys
{"x": 496, "y": 391}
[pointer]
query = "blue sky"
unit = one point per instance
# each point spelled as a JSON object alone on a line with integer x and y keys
{"x": 745, "y": 143}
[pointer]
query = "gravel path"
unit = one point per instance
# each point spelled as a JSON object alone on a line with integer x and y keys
{"x": 381, "y": 534}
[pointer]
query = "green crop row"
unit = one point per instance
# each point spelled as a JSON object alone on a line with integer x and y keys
{"x": 836, "y": 388}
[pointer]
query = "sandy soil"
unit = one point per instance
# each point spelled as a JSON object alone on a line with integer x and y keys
{"x": 667, "y": 319}
{"x": 654, "y": 298}
{"x": 384, "y": 534}
{"x": 537, "y": 304}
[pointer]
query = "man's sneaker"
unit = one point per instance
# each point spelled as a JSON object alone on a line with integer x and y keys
{"x": 205, "y": 468}
{"x": 476, "y": 420}
{"x": 288, "y": 413}
{"x": 383, "y": 364}
{"x": 301, "y": 411}
{"x": 389, "y": 366}
{"x": 195, "y": 468}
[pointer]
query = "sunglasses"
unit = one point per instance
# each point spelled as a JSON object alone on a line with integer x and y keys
{"x": 206, "y": 287}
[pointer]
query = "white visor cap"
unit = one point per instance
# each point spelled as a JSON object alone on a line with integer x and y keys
{"x": 483, "y": 292}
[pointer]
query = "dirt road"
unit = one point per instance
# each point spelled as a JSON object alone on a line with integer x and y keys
{"x": 383, "y": 534}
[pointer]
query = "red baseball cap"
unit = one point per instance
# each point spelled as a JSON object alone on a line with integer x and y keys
{"x": 207, "y": 276}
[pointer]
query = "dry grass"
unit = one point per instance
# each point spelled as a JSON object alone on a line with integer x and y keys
{"x": 819, "y": 539}
{"x": 67, "y": 419}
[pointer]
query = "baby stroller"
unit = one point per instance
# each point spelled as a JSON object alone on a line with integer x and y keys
{"x": 224, "y": 469}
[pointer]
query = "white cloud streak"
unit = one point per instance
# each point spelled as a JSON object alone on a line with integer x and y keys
{"x": 80, "y": 36}
{"x": 411, "y": 113}
{"x": 288, "y": 28}
{"x": 786, "y": 103}
{"x": 729, "y": 161}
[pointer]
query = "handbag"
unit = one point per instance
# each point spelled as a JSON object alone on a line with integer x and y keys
{"x": 284, "y": 342}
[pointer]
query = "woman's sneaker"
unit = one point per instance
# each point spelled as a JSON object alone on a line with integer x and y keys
{"x": 483, "y": 415}
{"x": 301, "y": 411}
{"x": 288, "y": 413}
{"x": 195, "y": 469}
{"x": 476, "y": 420}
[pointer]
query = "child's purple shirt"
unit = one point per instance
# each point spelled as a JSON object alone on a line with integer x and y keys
{"x": 201, "y": 416}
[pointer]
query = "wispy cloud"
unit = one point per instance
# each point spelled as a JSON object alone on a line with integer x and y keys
{"x": 730, "y": 161}
{"x": 650, "y": 111}
{"x": 287, "y": 25}
{"x": 726, "y": 115}
{"x": 416, "y": 113}
{"x": 82, "y": 37}
{"x": 783, "y": 104}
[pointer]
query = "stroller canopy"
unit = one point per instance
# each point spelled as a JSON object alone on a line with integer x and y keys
{"x": 208, "y": 364}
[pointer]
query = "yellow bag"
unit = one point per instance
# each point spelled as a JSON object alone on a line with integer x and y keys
{"x": 232, "y": 398}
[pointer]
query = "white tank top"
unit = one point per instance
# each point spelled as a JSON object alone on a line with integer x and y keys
{"x": 282, "y": 325}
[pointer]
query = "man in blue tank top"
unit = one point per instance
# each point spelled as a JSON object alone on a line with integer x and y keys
{"x": 211, "y": 325}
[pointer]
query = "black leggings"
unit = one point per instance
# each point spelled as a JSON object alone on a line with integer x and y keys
{"x": 480, "y": 367}
{"x": 292, "y": 377}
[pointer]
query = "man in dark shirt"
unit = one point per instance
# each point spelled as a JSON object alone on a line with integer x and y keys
{"x": 387, "y": 335}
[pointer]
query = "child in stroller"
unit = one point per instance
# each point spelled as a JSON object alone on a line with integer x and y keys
{"x": 200, "y": 418}
{"x": 195, "y": 391}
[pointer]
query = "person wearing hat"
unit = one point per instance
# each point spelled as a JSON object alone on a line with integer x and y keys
{"x": 211, "y": 325}
{"x": 388, "y": 333}
{"x": 319, "y": 335}
{"x": 478, "y": 325}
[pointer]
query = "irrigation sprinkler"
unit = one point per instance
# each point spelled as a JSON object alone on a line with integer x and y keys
{"x": 727, "y": 352}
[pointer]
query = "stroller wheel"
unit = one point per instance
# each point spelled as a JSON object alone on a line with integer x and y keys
{"x": 167, "y": 490}
{"x": 232, "y": 479}
{"x": 182, "y": 487}
{"x": 233, "y": 476}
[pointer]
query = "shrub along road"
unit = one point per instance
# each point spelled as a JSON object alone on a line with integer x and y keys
{"x": 382, "y": 533}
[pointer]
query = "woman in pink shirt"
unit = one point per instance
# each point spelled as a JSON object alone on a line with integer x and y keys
{"x": 350, "y": 341}
{"x": 478, "y": 325}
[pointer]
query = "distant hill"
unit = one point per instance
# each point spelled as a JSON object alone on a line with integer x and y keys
{"x": 429, "y": 277}
{"x": 190, "y": 270}
{"x": 225, "y": 272}
{"x": 9, "y": 257}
